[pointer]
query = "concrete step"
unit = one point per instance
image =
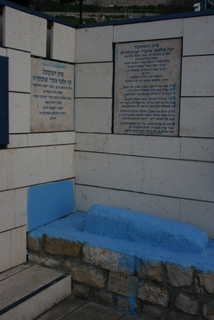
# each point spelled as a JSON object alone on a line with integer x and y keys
{"x": 29, "y": 290}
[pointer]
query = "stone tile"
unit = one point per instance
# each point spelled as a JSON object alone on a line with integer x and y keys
{"x": 18, "y": 141}
{"x": 151, "y": 271}
{"x": 205, "y": 283}
{"x": 5, "y": 250}
{"x": 188, "y": 304}
{"x": 178, "y": 316}
{"x": 87, "y": 196}
{"x": 3, "y": 52}
{"x": 197, "y": 80}
{"x": 63, "y": 43}
{"x": 64, "y": 137}
{"x": 208, "y": 310}
{"x": 3, "y": 170}
{"x": 18, "y": 246}
{"x": 100, "y": 87}
{"x": 68, "y": 161}
{"x": 38, "y": 44}
{"x": 94, "y": 44}
{"x": 93, "y": 115}
{"x": 91, "y": 142}
{"x": 154, "y": 312}
{"x": 19, "y": 112}
{"x": 61, "y": 247}
{"x": 196, "y": 117}
{"x": 153, "y": 294}
{"x": 179, "y": 277}
{"x": 120, "y": 144}
{"x": 197, "y": 149}
{"x": 17, "y": 29}
{"x": 48, "y": 262}
{"x": 7, "y": 205}
{"x": 40, "y": 139}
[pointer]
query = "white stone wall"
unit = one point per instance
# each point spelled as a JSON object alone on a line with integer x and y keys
{"x": 30, "y": 158}
{"x": 168, "y": 177}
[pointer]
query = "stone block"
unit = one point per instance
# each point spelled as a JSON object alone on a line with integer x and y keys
{"x": 48, "y": 262}
{"x": 93, "y": 115}
{"x": 19, "y": 115}
{"x": 40, "y": 139}
{"x": 152, "y": 271}
{"x": 205, "y": 283}
{"x": 196, "y": 39}
{"x": 110, "y": 260}
{"x": 86, "y": 274}
{"x": 94, "y": 44}
{"x": 92, "y": 142}
{"x": 19, "y": 71}
{"x": 126, "y": 305}
{"x": 178, "y": 276}
{"x": 38, "y": 44}
{"x": 104, "y": 298}
{"x": 5, "y": 250}
{"x": 110, "y": 171}
{"x": 188, "y": 304}
{"x": 154, "y": 312}
{"x": 80, "y": 291}
{"x": 7, "y": 205}
{"x": 17, "y": 26}
{"x": 35, "y": 244}
{"x": 208, "y": 310}
{"x": 196, "y": 118}
{"x": 64, "y": 137}
{"x": 18, "y": 246}
{"x": 63, "y": 43}
{"x": 153, "y": 294}
{"x": 178, "y": 316}
{"x": 3, "y": 52}
{"x": 86, "y": 196}
{"x": 18, "y": 141}
{"x": 61, "y": 247}
{"x": 120, "y": 144}
{"x": 68, "y": 161}
{"x": 3, "y": 170}
{"x": 197, "y": 80}
{"x": 149, "y": 30}
{"x": 100, "y": 87}
{"x": 197, "y": 149}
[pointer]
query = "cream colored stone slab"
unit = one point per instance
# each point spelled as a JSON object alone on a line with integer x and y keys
{"x": 196, "y": 39}
{"x": 100, "y": 87}
{"x": 8, "y": 273}
{"x": 19, "y": 71}
{"x": 63, "y": 43}
{"x": 110, "y": 171}
{"x": 17, "y": 26}
{"x": 165, "y": 207}
{"x": 92, "y": 142}
{"x": 19, "y": 112}
{"x": 52, "y": 96}
{"x": 18, "y": 246}
{"x": 18, "y": 167}
{"x": 64, "y": 137}
{"x": 38, "y": 43}
{"x": 7, "y": 205}
{"x": 20, "y": 207}
{"x": 94, "y": 44}
{"x": 149, "y": 30}
{"x": 198, "y": 214}
{"x": 185, "y": 179}
{"x": 160, "y": 147}
{"x": 5, "y": 251}
{"x": 3, "y": 52}
{"x": 87, "y": 196}
{"x": 147, "y": 87}
{"x": 40, "y": 139}
{"x": 120, "y": 144}
{"x": 197, "y": 149}
{"x": 197, "y": 76}
{"x": 68, "y": 162}
{"x": 93, "y": 115}
{"x": 3, "y": 170}
{"x": 196, "y": 117}
{"x": 18, "y": 141}
{"x": 122, "y": 284}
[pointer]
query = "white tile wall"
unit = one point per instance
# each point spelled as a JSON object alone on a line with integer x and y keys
{"x": 64, "y": 137}
{"x": 68, "y": 162}
{"x": 3, "y": 169}
{"x": 19, "y": 112}
{"x": 63, "y": 43}
{"x": 196, "y": 119}
{"x": 5, "y": 248}
{"x": 197, "y": 149}
{"x": 20, "y": 207}
{"x": 93, "y": 115}
{"x": 198, "y": 37}
{"x": 38, "y": 43}
{"x": 17, "y": 27}
{"x": 19, "y": 71}
{"x": 120, "y": 144}
{"x": 197, "y": 76}
{"x": 7, "y": 210}
{"x": 100, "y": 87}
{"x": 92, "y": 142}
{"x": 18, "y": 141}
{"x": 88, "y": 196}
{"x": 94, "y": 44}
{"x": 40, "y": 139}
{"x": 3, "y": 52}
{"x": 18, "y": 246}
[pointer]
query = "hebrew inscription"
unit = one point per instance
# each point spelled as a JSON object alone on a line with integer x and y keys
{"x": 147, "y": 87}
{"x": 122, "y": 284}
{"x": 51, "y": 96}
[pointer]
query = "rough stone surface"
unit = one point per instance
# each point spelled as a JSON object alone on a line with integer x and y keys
{"x": 187, "y": 304}
{"x": 105, "y": 298}
{"x": 86, "y": 274}
{"x": 208, "y": 310}
{"x": 150, "y": 271}
{"x": 80, "y": 291}
{"x": 154, "y": 312}
{"x": 49, "y": 262}
{"x": 178, "y": 316}
{"x": 111, "y": 260}
{"x": 62, "y": 247}
{"x": 125, "y": 305}
{"x": 153, "y": 294}
{"x": 179, "y": 277}
{"x": 205, "y": 283}
{"x": 35, "y": 244}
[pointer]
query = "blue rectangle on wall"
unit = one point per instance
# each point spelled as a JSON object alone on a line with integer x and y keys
{"x": 4, "y": 125}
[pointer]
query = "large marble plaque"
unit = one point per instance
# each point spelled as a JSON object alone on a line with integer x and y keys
{"x": 52, "y": 96}
{"x": 147, "y": 87}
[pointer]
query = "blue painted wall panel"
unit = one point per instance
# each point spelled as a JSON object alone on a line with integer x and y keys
{"x": 49, "y": 202}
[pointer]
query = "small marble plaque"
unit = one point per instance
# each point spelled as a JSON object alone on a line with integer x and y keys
{"x": 52, "y": 96}
{"x": 147, "y": 87}
{"x": 122, "y": 284}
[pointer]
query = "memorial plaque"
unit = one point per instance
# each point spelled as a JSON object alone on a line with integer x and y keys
{"x": 51, "y": 96}
{"x": 122, "y": 284}
{"x": 147, "y": 87}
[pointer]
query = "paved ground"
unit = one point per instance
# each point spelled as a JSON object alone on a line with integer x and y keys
{"x": 77, "y": 309}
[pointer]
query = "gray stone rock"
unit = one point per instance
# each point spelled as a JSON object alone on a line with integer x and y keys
{"x": 80, "y": 291}
{"x": 205, "y": 283}
{"x": 187, "y": 304}
{"x": 151, "y": 271}
{"x": 154, "y": 312}
{"x": 62, "y": 247}
{"x": 153, "y": 294}
{"x": 208, "y": 310}
{"x": 105, "y": 298}
{"x": 177, "y": 316}
{"x": 179, "y": 277}
{"x": 49, "y": 262}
